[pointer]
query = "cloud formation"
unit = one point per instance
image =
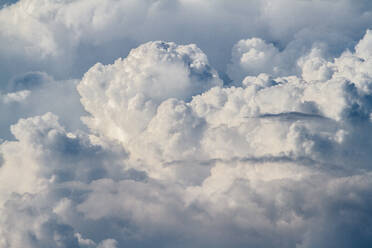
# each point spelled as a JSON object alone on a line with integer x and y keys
{"x": 264, "y": 144}
{"x": 124, "y": 97}
{"x": 65, "y": 38}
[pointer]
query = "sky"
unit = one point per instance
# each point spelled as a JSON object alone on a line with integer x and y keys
{"x": 185, "y": 123}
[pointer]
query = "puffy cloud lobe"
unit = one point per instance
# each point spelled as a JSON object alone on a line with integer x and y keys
{"x": 252, "y": 57}
{"x": 31, "y": 135}
{"x": 36, "y": 93}
{"x": 174, "y": 129}
{"x": 36, "y": 195}
{"x": 363, "y": 49}
{"x": 30, "y": 220}
{"x": 315, "y": 67}
{"x": 123, "y": 97}
{"x": 18, "y": 96}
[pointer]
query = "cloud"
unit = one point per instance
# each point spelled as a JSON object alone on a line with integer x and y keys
{"x": 252, "y": 57}
{"x": 36, "y": 193}
{"x": 65, "y": 38}
{"x": 169, "y": 155}
{"x": 123, "y": 97}
{"x": 36, "y": 93}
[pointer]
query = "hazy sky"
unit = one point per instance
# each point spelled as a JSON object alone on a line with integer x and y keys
{"x": 185, "y": 123}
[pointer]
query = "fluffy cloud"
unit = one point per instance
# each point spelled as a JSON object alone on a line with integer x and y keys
{"x": 67, "y": 37}
{"x": 252, "y": 57}
{"x": 169, "y": 155}
{"x": 36, "y": 190}
{"x": 123, "y": 97}
{"x": 36, "y": 93}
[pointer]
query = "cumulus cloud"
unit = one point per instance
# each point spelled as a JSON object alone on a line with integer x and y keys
{"x": 252, "y": 57}
{"x": 67, "y": 37}
{"x": 167, "y": 154}
{"x": 123, "y": 97}
{"x": 35, "y": 93}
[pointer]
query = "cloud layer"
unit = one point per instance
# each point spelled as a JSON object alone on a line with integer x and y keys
{"x": 264, "y": 143}
{"x": 65, "y": 38}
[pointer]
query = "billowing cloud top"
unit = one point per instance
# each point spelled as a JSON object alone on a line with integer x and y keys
{"x": 127, "y": 93}
{"x": 110, "y": 138}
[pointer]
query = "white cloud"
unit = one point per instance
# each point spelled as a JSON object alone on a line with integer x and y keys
{"x": 252, "y": 57}
{"x": 36, "y": 93}
{"x": 67, "y": 37}
{"x": 315, "y": 67}
{"x": 18, "y": 96}
{"x": 171, "y": 157}
{"x": 123, "y": 97}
